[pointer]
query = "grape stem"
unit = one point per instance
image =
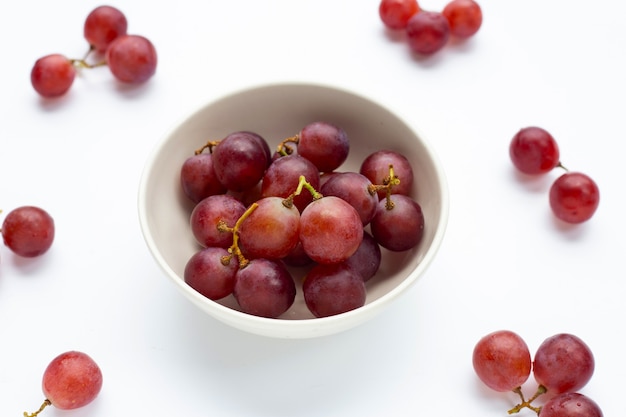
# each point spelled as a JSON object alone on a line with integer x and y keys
{"x": 36, "y": 413}
{"x": 210, "y": 145}
{"x": 302, "y": 184}
{"x": 527, "y": 403}
{"x": 389, "y": 182}
{"x": 234, "y": 249}
{"x": 284, "y": 149}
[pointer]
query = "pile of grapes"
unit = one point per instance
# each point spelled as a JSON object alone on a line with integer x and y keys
{"x": 259, "y": 214}
{"x": 428, "y": 31}
{"x": 131, "y": 58}
{"x": 574, "y": 196}
{"x": 562, "y": 365}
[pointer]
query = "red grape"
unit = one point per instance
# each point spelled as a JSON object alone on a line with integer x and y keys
{"x": 353, "y": 188}
{"x": 574, "y": 197}
{"x": 427, "y": 32}
{"x": 563, "y": 363}
{"x": 52, "y": 75}
{"x": 330, "y": 230}
{"x": 283, "y": 176}
{"x": 264, "y": 288}
{"x": 376, "y": 168}
{"x": 28, "y": 231}
{"x": 324, "y": 144}
{"x": 465, "y": 17}
{"x": 132, "y": 58}
{"x": 367, "y": 258}
{"x": 533, "y": 151}
{"x": 398, "y": 228}
{"x": 333, "y": 289}
{"x": 206, "y": 273}
{"x": 72, "y": 380}
{"x": 396, "y": 13}
{"x": 502, "y": 360}
{"x": 270, "y": 230}
{"x": 103, "y": 25}
{"x": 570, "y": 405}
{"x": 198, "y": 178}
{"x": 206, "y": 217}
{"x": 240, "y": 160}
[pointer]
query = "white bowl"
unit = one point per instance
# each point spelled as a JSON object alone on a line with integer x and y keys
{"x": 277, "y": 112}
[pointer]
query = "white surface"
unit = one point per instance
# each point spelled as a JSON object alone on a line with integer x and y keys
{"x": 505, "y": 263}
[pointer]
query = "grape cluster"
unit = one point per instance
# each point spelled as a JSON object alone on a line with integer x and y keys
{"x": 71, "y": 380}
{"x": 429, "y": 31}
{"x": 131, "y": 58}
{"x": 562, "y": 365}
{"x": 260, "y": 216}
{"x": 28, "y": 231}
{"x": 574, "y": 197}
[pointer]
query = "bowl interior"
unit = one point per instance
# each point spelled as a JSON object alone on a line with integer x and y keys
{"x": 277, "y": 112}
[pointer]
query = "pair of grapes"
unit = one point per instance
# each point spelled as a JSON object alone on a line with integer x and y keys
{"x": 574, "y": 196}
{"x": 131, "y": 58}
{"x": 71, "y": 380}
{"x": 429, "y": 31}
{"x": 257, "y": 213}
{"x": 28, "y": 231}
{"x": 562, "y": 365}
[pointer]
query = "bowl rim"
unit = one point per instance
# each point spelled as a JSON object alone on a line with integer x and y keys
{"x": 297, "y": 328}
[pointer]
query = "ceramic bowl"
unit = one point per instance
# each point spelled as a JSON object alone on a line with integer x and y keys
{"x": 276, "y": 112}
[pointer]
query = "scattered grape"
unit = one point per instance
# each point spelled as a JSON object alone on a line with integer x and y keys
{"x": 464, "y": 16}
{"x": 103, "y": 25}
{"x": 333, "y": 289}
{"x": 502, "y": 360}
{"x": 574, "y": 197}
{"x": 427, "y": 32}
{"x": 53, "y": 75}
{"x": 264, "y": 288}
{"x": 570, "y": 405}
{"x": 533, "y": 151}
{"x": 71, "y": 380}
{"x": 563, "y": 363}
{"x": 132, "y": 58}
{"x": 395, "y": 14}
{"x": 28, "y": 231}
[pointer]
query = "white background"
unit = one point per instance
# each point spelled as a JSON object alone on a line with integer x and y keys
{"x": 505, "y": 261}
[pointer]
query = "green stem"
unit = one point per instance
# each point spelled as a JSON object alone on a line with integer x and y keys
{"x": 234, "y": 249}
{"x": 527, "y": 403}
{"x": 36, "y": 413}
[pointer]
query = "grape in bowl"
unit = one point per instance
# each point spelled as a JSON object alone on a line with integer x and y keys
{"x": 276, "y": 112}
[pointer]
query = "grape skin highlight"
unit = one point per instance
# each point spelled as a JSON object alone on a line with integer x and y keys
{"x": 132, "y": 59}
{"x": 52, "y": 75}
{"x": 502, "y": 360}
{"x": 28, "y": 231}
{"x": 574, "y": 197}
{"x": 571, "y": 405}
{"x": 72, "y": 380}
{"x": 563, "y": 363}
{"x": 103, "y": 25}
